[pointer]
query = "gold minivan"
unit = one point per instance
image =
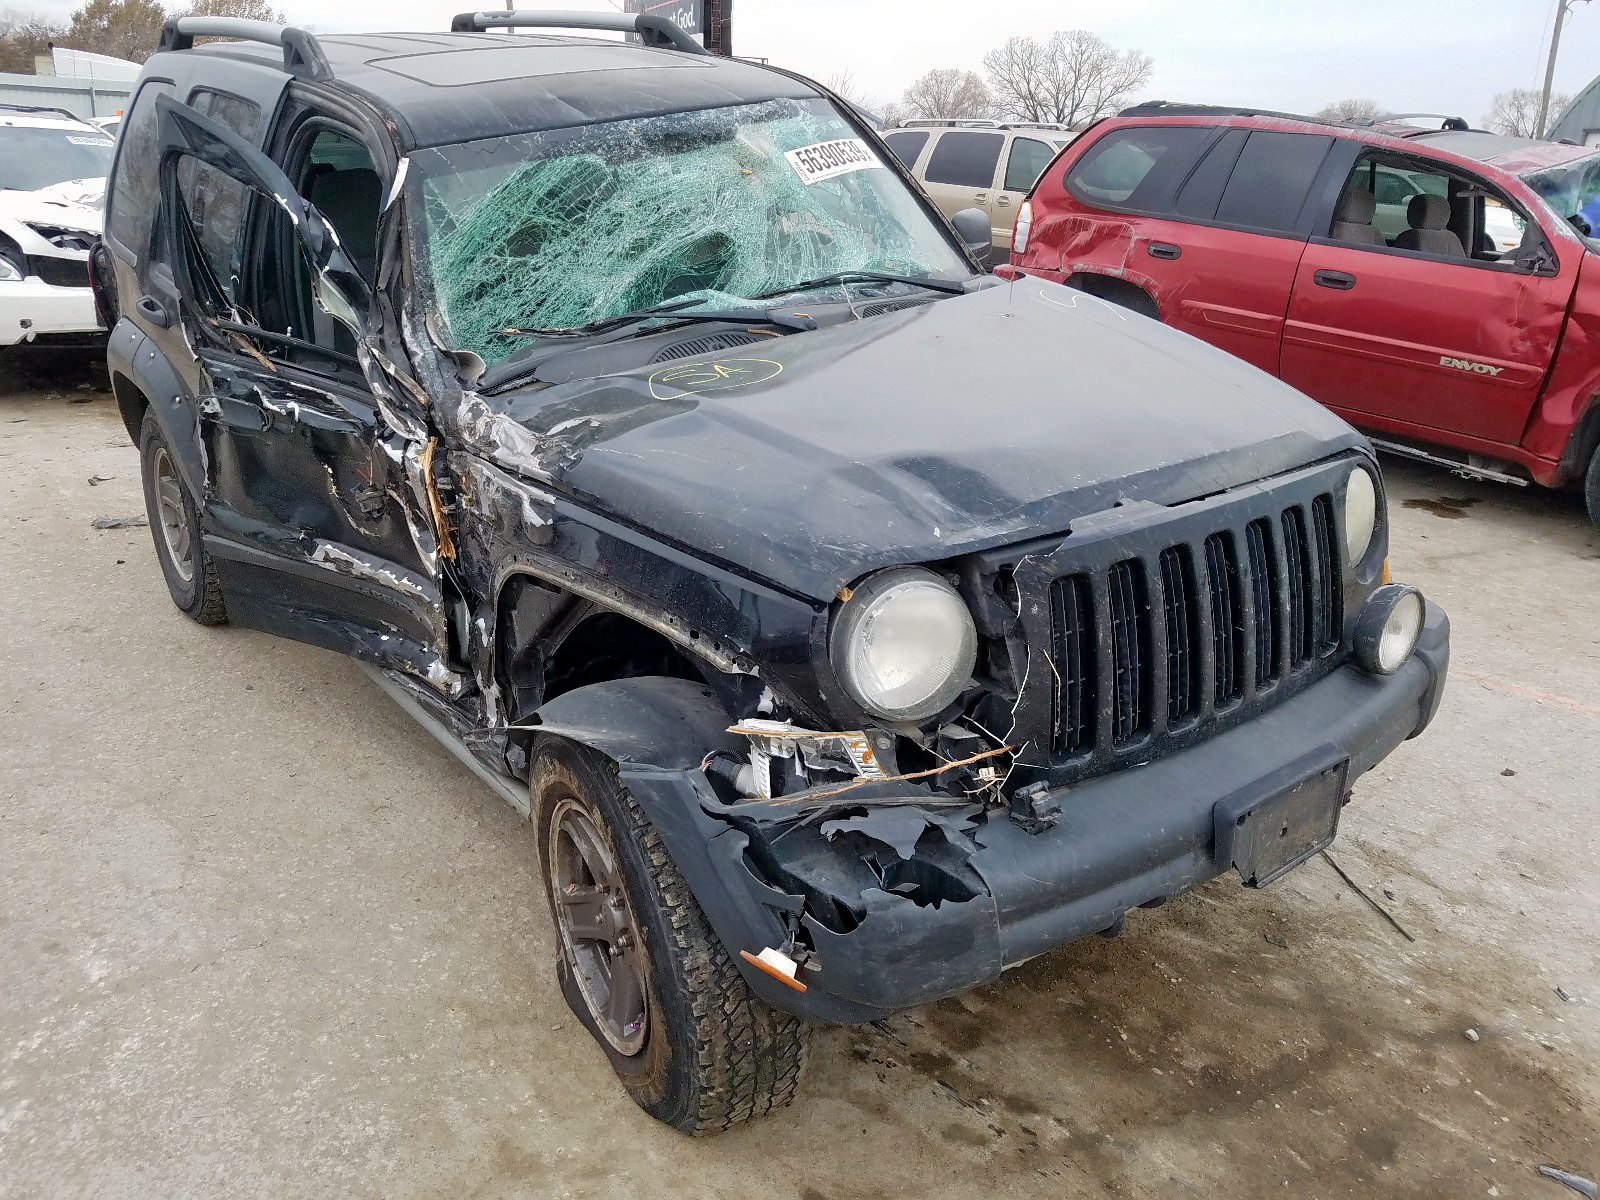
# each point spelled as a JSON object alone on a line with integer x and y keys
{"x": 978, "y": 164}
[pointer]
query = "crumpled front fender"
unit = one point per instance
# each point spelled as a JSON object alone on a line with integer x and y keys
{"x": 658, "y": 731}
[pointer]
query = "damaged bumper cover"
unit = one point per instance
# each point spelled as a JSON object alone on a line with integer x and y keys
{"x": 31, "y": 308}
{"x": 977, "y": 897}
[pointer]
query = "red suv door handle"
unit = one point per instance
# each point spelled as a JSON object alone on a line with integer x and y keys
{"x": 1165, "y": 250}
{"x": 1337, "y": 280}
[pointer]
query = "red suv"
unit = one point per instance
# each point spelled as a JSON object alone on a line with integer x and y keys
{"x": 1435, "y": 287}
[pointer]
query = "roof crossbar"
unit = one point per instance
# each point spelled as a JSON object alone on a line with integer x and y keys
{"x": 652, "y": 30}
{"x": 301, "y": 54}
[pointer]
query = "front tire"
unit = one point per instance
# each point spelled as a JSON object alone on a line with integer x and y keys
{"x": 691, "y": 1043}
{"x": 190, "y": 573}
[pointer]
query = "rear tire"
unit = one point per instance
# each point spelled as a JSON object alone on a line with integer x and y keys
{"x": 190, "y": 573}
{"x": 705, "y": 1053}
{"x": 1591, "y": 487}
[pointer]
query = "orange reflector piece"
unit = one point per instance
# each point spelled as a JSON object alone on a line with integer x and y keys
{"x": 1385, "y": 571}
{"x": 773, "y": 962}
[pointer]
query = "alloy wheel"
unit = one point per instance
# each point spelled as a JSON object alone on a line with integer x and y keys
{"x": 597, "y": 928}
{"x": 173, "y": 517}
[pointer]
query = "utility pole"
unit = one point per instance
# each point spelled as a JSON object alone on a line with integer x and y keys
{"x": 1562, "y": 9}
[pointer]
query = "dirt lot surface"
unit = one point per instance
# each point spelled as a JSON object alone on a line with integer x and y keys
{"x": 260, "y": 937}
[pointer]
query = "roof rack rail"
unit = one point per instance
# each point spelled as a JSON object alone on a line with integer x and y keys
{"x": 301, "y": 54}
{"x": 1176, "y": 108}
{"x": 953, "y": 122}
{"x": 1450, "y": 123}
{"x": 42, "y": 108}
{"x": 654, "y": 31}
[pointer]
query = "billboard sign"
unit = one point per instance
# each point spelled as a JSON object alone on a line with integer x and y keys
{"x": 687, "y": 15}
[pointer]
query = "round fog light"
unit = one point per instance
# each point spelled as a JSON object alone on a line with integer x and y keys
{"x": 1388, "y": 628}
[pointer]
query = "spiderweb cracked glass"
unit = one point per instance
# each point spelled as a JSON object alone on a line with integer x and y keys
{"x": 631, "y": 214}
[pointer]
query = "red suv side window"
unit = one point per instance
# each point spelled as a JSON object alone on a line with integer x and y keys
{"x": 1138, "y": 167}
{"x": 1272, "y": 179}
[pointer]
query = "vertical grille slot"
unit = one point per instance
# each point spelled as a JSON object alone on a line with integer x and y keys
{"x": 1072, "y": 619}
{"x": 1264, "y": 600}
{"x": 1130, "y": 652}
{"x": 1330, "y": 577}
{"x": 1183, "y": 633}
{"x": 1302, "y": 597}
{"x": 1227, "y": 617}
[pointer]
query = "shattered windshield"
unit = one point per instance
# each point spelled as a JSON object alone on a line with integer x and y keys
{"x": 1572, "y": 189}
{"x": 566, "y": 227}
{"x": 33, "y": 157}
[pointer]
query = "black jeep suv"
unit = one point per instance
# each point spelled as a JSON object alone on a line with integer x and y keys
{"x": 853, "y": 625}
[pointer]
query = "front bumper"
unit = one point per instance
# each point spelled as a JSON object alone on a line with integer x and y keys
{"x": 32, "y": 308}
{"x": 1130, "y": 838}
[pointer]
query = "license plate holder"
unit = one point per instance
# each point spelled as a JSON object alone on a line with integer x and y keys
{"x": 1271, "y": 828}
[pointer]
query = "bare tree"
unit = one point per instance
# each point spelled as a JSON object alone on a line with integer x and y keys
{"x": 843, "y": 84}
{"x": 948, "y": 93}
{"x": 23, "y": 37}
{"x": 1073, "y": 78}
{"x": 121, "y": 28}
{"x": 1516, "y": 113}
{"x": 892, "y": 112}
{"x": 255, "y": 10}
{"x": 1352, "y": 108}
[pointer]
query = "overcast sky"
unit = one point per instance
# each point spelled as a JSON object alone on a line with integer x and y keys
{"x": 1409, "y": 55}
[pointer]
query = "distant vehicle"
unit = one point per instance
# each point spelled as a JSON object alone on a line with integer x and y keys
{"x": 110, "y": 125}
{"x": 1434, "y": 286}
{"x": 986, "y": 165}
{"x": 53, "y": 169}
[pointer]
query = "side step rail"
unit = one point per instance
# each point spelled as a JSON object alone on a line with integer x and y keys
{"x": 1465, "y": 470}
{"x": 510, "y": 789}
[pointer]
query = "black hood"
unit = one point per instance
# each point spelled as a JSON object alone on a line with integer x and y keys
{"x": 958, "y": 425}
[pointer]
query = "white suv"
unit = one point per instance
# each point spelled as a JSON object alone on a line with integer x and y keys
{"x": 53, "y": 170}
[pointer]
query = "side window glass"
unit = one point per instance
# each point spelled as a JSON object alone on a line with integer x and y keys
{"x": 964, "y": 159}
{"x": 211, "y": 262}
{"x": 1026, "y": 163}
{"x": 1272, "y": 179}
{"x": 215, "y": 202}
{"x": 1393, "y": 186}
{"x": 135, "y": 185}
{"x": 1504, "y": 228}
{"x": 1137, "y": 167}
{"x": 241, "y": 116}
{"x": 907, "y": 146}
{"x": 1202, "y": 192}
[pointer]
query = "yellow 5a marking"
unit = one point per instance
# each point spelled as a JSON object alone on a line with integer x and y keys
{"x": 723, "y": 375}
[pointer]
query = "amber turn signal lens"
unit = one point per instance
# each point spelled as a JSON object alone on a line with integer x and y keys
{"x": 772, "y": 962}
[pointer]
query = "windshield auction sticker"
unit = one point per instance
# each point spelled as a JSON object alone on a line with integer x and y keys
{"x": 828, "y": 160}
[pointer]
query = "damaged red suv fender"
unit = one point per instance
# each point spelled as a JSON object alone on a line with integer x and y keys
{"x": 842, "y": 648}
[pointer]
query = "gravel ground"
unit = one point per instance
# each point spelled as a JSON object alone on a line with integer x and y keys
{"x": 259, "y": 936}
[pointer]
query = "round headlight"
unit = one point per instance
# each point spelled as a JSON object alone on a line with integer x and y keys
{"x": 904, "y": 644}
{"x": 1360, "y": 514}
{"x": 1388, "y": 628}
